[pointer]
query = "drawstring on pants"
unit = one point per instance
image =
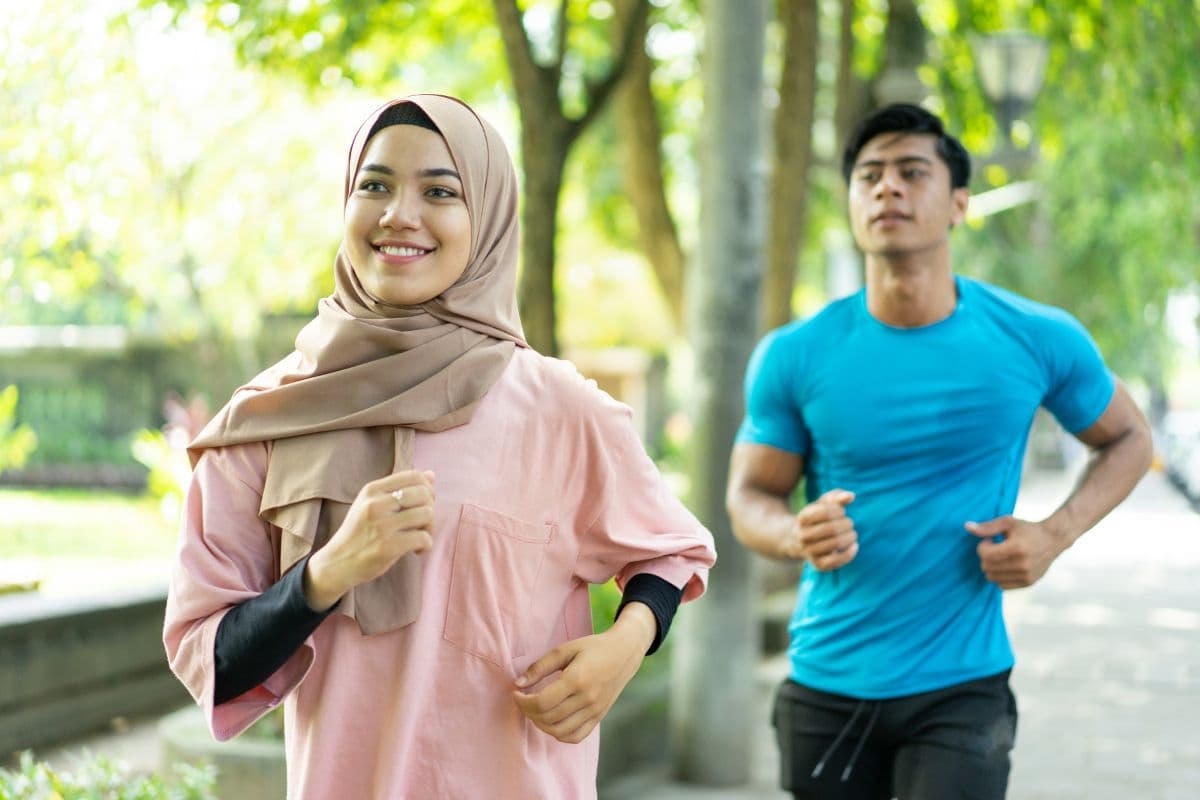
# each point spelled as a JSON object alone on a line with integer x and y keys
{"x": 862, "y": 740}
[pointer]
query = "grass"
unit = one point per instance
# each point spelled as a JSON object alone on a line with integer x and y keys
{"x": 70, "y": 542}
{"x": 73, "y": 523}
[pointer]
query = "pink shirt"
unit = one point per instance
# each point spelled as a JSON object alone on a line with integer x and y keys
{"x": 546, "y": 490}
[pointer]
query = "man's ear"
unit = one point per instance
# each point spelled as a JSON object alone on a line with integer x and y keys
{"x": 958, "y": 205}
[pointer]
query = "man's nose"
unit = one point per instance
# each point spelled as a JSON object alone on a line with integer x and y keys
{"x": 889, "y": 183}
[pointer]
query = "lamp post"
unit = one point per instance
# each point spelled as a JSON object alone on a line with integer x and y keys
{"x": 1011, "y": 65}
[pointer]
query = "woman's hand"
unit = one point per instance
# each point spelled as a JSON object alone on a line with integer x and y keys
{"x": 390, "y": 518}
{"x": 594, "y": 671}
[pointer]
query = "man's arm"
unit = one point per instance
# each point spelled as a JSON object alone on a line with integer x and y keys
{"x": 761, "y": 479}
{"x": 1121, "y": 453}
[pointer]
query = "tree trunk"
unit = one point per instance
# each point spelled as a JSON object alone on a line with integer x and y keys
{"x": 904, "y": 51}
{"x": 546, "y": 138}
{"x": 640, "y": 138}
{"x": 793, "y": 154}
{"x": 543, "y": 154}
{"x": 714, "y": 708}
{"x": 853, "y": 99}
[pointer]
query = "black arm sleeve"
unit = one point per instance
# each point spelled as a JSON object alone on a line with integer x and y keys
{"x": 662, "y": 598}
{"x": 258, "y": 636}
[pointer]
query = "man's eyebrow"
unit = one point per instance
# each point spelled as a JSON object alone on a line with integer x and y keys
{"x": 876, "y": 162}
{"x": 434, "y": 172}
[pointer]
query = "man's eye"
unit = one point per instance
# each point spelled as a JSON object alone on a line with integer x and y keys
{"x": 868, "y": 177}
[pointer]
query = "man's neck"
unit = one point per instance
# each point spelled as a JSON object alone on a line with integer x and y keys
{"x": 910, "y": 292}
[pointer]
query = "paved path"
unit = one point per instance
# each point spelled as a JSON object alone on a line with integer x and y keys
{"x": 1108, "y": 656}
{"x": 1107, "y": 679}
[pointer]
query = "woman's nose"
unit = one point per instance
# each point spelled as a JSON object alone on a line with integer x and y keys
{"x": 402, "y": 212}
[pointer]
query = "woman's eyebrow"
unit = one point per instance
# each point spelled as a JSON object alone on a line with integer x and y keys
{"x": 433, "y": 172}
{"x": 440, "y": 172}
{"x": 380, "y": 168}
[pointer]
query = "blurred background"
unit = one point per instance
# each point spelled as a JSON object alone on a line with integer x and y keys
{"x": 171, "y": 176}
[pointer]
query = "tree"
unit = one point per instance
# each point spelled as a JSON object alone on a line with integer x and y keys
{"x": 548, "y": 131}
{"x": 714, "y": 700}
{"x": 639, "y": 134}
{"x": 559, "y": 88}
{"x": 1118, "y": 159}
{"x": 124, "y": 190}
{"x": 793, "y": 154}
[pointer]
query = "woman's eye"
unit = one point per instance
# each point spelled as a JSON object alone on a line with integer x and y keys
{"x": 372, "y": 186}
{"x": 441, "y": 193}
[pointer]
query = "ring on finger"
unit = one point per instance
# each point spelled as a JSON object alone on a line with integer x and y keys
{"x": 398, "y": 496}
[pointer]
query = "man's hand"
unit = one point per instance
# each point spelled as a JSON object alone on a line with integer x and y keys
{"x": 594, "y": 671}
{"x": 1022, "y": 557}
{"x": 823, "y": 534}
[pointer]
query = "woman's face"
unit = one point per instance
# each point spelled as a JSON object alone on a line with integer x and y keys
{"x": 408, "y": 234}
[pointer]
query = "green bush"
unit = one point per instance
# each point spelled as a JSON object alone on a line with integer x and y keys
{"x": 16, "y": 443}
{"x": 101, "y": 779}
{"x": 169, "y": 470}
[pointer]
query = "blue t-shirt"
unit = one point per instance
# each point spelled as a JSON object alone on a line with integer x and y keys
{"x": 927, "y": 426}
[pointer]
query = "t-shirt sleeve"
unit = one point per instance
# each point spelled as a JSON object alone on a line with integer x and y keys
{"x": 226, "y": 556}
{"x": 637, "y": 525}
{"x": 1080, "y": 386}
{"x": 772, "y": 415}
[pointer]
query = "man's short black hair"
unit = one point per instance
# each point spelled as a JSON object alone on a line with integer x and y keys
{"x": 909, "y": 118}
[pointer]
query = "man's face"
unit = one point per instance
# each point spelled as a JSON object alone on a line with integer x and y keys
{"x": 900, "y": 198}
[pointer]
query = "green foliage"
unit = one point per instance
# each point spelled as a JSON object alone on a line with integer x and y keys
{"x": 448, "y": 46}
{"x": 605, "y": 598}
{"x": 136, "y": 167}
{"x": 75, "y": 422}
{"x": 101, "y": 779}
{"x": 16, "y": 441}
{"x": 169, "y": 470}
{"x": 1119, "y": 162}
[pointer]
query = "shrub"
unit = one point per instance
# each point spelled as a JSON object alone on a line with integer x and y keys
{"x": 16, "y": 443}
{"x": 102, "y": 779}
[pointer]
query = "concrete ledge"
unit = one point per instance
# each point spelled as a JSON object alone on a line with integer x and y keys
{"x": 68, "y": 666}
{"x": 248, "y": 768}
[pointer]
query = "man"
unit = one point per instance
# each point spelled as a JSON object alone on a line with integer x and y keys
{"x": 906, "y": 409}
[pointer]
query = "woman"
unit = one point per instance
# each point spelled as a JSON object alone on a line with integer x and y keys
{"x": 392, "y": 530}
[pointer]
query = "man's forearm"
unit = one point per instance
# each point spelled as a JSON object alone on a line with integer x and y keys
{"x": 762, "y": 522}
{"x": 1108, "y": 479}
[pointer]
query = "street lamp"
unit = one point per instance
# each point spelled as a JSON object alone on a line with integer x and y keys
{"x": 1011, "y": 65}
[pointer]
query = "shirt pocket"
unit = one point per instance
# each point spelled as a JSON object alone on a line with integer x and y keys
{"x": 493, "y": 584}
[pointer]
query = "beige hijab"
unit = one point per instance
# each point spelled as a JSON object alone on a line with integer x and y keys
{"x": 342, "y": 409}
